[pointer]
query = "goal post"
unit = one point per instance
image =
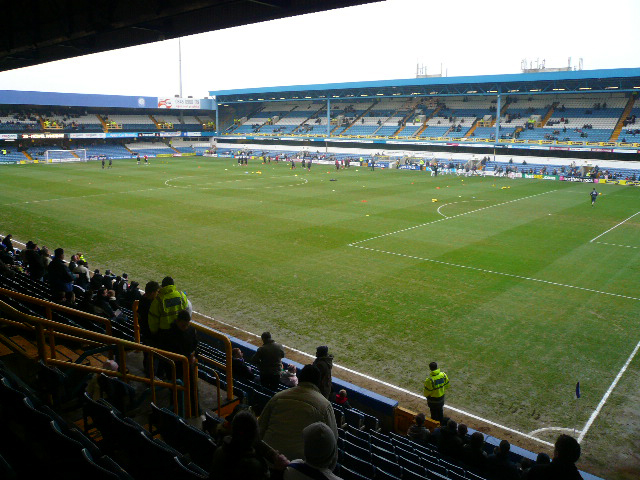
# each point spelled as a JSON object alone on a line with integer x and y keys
{"x": 63, "y": 156}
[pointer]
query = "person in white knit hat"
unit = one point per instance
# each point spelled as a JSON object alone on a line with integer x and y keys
{"x": 320, "y": 455}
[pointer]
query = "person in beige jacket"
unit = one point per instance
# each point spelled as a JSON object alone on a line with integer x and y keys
{"x": 288, "y": 412}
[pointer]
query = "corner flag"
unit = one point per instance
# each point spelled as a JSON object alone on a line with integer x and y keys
{"x": 578, "y": 390}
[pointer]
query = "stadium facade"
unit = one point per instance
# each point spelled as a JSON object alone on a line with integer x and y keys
{"x": 583, "y": 114}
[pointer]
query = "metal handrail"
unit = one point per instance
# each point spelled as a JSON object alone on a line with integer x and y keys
{"x": 207, "y": 331}
{"x": 45, "y": 327}
{"x": 50, "y": 307}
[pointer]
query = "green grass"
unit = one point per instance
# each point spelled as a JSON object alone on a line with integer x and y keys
{"x": 267, "y": 248}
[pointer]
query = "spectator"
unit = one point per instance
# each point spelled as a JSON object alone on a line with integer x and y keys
{"x": 473, "y": 454}
{"x": 151, "y": 290}
{"x": 288, "y": 412}
{"x": 183, "y": 339}
{"x": 268, "y": 359}
{"x": 462, "y": 433}
{"x": 102, "y": 305}
{"x": 418, "y": 432}
{"x": 46, "y": 257}
{"x": 324, "y": 362}
{"x": 132, "y": 294}
{"x": 96, "y": 280}
{"x": 34, "y": 262}
{"x": 320, "y": 455}
{"x": 341, "y": 399}
{"x": 450, "y": 444}
{"x": 500, "y": 466}
{"x": 84, "y": 275}
{"x": 164, "y": 310}
{"x": 239, "y": 368}
{"x": 563, "y": 466}
{"x": 60, "y": 277}
{"x": 8, "y": 244}
{"x": 288, "y": 376}
{"x": 242, "y": 456}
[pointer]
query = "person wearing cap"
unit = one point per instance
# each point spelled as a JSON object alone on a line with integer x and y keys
{"x": 164, "y": 309}
{"x": 324, "y": 362}
{"x": 434, "y": 387}
{"x": 268, "y": 359}
{"x": 288, "y": 412}
{"x": 320, "y": 455}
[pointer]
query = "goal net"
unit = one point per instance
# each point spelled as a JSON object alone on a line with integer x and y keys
{"x": 60, "y": 156}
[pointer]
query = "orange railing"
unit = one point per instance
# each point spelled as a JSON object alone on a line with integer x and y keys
{"x": 44, "y": 328}
{"x": 206, "y": 331}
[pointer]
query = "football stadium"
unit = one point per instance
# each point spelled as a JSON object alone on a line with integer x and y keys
{"x": 487, "y": 223}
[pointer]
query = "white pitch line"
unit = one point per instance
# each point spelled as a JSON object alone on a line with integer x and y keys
{"x": 390, "y": 385}
{"x": 552, "y": 429}
{"x": 353, "y": 244}
{"x": 616, "y": 245}
{"x": 453, "y": 203}
{"x": 596, "y": 412}
{"x": 493, "y": 272}
{"x": 201, "y": 187}
{"x": 593, "y": 239}
{"x": 80, "y": 196}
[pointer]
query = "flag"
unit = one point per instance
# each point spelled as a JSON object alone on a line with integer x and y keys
{"x": 578, "y": 390}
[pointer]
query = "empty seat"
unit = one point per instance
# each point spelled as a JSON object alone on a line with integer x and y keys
{"x": 389, "y": 466}
{"x": 358, "y": 465}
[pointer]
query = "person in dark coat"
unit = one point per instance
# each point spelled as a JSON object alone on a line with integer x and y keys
{"x": 8, "y": 244}
{"x": 60, "y": 277}
{"x": 183, "y": 339}
{"x": 563, "y": 466}
{"x": 239, "y": 368}
{"x": 34, "y": 261}
{"x": 324, "y": 362}
{"x": 500, "y": 467}
{"x": 268, "y": 359}
{"x": 473, "y": 454}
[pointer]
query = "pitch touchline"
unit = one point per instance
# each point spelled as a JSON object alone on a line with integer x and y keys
{"x": 386, "y": 384}
{"x": 447, "y": 218}
{"x": 616, "y": 226}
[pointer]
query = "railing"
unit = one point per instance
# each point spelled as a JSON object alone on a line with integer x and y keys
{"x": 44, "y": 328}
{"x": 206, "y": 331}
{"x": 50, "y": 307}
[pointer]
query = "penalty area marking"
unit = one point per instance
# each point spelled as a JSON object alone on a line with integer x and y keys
{"x": 354, "y": 244}
{"x": 390, "y": 385}
{"x": 614, "y": 227}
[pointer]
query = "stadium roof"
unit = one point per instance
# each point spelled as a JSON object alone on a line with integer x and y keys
{"x": 619, "y": 79}
{"x": 40, "y": 31}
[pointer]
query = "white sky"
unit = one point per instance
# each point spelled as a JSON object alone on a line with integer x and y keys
{"x": 372, "y": 42}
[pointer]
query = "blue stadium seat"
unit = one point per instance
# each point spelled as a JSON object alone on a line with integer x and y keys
{"x": 389, "y": 466}
{"x": 357, "y": 450}
{"x": 348, "y": 474}
{"x": 183, "y": 470}
{"x": 358, "y": 465}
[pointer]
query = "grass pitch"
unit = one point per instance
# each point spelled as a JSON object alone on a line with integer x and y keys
{"x": 496, "y": 279}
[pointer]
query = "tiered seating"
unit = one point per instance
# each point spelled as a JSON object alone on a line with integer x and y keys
{"x": 110, "y": 150}
{"x": 133, "y": 122}
{"x": 16, "y": 122}
{"x": 12, "y": 156}
{"x": 150, "y": 148}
